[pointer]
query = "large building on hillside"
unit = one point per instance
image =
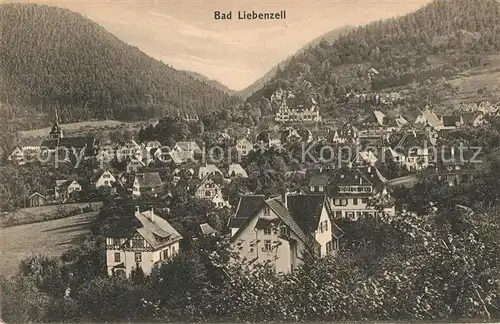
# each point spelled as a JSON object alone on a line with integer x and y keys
{"x": 282, "y": 230}
{"x": 290, "y": 109}
{"x": 351, "y": 190}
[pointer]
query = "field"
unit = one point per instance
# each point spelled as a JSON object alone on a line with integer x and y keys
{"x": 51, "y": 238}
{"x": 84, "y": 127}
{"x": 487, "y": 76}
{"x": 42, "y": 213}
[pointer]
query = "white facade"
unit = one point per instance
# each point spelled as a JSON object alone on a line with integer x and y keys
{"x": 134, "y": 166}
{"x": 105, "y": 180}
{"x": 157, "y": 241}
{"x": 244, "y": 147}
{"x": 263, "y": 245}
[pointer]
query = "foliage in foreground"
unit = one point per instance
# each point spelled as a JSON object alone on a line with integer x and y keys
{"x": 403, "y": 268}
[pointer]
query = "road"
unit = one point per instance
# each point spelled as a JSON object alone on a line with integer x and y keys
{"x": 407, "y": 181}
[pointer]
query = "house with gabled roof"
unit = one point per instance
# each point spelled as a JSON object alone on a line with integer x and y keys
{"x": 210, "y": 190}
{"x": 244, "y": 147}
{"x": 135, "y": 166}
{"x": 36, "y": 199}
{"x": 129, "y": 150}
{"x": 347, "y": 133}
{"x": 145, "y": 240}
{"x": 351, "y": 190}
{"x": 318, "y": 183}
{"x": 147, "y": 183}
{"x": 416, "y": 151}
{"x": 208, "y": 169}
{"x": 365, "y": 158}
{"x": 282, "y": 230}
{"x": 236, "y": 170}
{"x": 377, "y": 119}
{"x": 457, "y": 166}
{"x": 428, "y": 117}
{"x": 66, "y": 189}
{"x": 472, "y": 118}
{"x": 105, "y": 180}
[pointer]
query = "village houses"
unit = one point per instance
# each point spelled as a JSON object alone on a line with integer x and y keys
{"x": 282, "y": 230}
{"x": 293, "y": 109}
{"x": 105, "y": 180}
{"x": 65, "y": 190}
{"x": 152, "y": 240}
{"x": 148, "y": 183}
{"x": 244, "y": 147}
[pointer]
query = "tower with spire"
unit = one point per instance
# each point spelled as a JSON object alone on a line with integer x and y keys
{"x": 56, "y": 131}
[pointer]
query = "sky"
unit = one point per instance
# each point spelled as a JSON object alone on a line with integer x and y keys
{"x": 185, "y": 35}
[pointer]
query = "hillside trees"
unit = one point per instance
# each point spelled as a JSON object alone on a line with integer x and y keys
{"x": 52, "y": 57}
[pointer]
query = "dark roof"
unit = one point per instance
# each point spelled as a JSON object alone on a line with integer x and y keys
{"x": 306, "y": 210}
{"x": 319, "y": 180}
{"x": 469, "y": 116}
{"x": 149, "y": 179}
{"x": 285, "y": 216}
{"x": 408, "y": 141}
{"x": 353, "y": 176}
{"x": 248, "y": 206}
{"x": 70, "y": 142}
{"x": 451, "y": 120}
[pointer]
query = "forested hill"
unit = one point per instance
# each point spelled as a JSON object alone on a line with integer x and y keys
{"x": 52, "y": 57}
{"x": 259, "y": 83}
{"x": 216, "y": 84}
{"x": 439, "y": 40}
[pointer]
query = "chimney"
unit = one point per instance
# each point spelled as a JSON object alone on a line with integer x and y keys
{"x": 152, "y": 215}
{"x": 285, "y": 198}
{"x": 137, "y": 210}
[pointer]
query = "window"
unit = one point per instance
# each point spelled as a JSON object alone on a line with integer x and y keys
{"x": 343, "y": 202}
{"x": 335, "y": 245}
{"x": 267, "y": 231}
{"x": 355, "y": 201}
{"x": 173, "y": 250}
{"x": 328, "y": 247}
{"x": 207, "y": 193}
{"x": 358, "y": 214}
{"x": 138, "y": 257}
{"x": 338, "y": 214}
{"x": 117, "y": 257}
{"x": 350, "y": 215}
{"x": 116, "y": 241}
{"x": 321, "y": 188}
{"x": 166, "y": 254}
{"x": 267, "y": 245}
{"x": 267, "y": 211}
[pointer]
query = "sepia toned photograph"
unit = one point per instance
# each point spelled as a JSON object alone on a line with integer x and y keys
{"x": 167, "y": 161}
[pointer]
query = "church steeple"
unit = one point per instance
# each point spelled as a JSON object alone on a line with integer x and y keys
{"x": 56, "y": 131}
